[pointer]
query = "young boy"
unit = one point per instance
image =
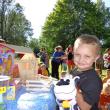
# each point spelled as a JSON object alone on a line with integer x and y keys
{"x": 86, "y": 52}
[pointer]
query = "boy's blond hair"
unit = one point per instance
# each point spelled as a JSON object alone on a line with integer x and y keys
{"x": 89, "y": 39}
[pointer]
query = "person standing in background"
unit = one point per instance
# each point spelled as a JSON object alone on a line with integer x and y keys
{"x": 44, "y": 57}
{"x": 56, "y": 61}
{"x": 64, "y": 62}
{"x": 70, "y": 62}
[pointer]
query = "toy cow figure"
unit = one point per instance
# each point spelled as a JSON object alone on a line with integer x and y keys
{"x": 65, "y": 92}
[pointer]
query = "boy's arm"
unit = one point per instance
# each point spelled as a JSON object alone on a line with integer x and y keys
{"x": 80, "y": 101}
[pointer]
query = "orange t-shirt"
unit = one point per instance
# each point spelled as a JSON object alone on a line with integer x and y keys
{"x": 45, "y": 72}
{"x": 104, "y": 99}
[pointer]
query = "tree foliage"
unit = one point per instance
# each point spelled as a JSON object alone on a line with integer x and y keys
{"x": 4, "y": 6}
{"x": 33, "y": 43}
{"x": 16, "y": 29}
{"x": 71, "y": 18}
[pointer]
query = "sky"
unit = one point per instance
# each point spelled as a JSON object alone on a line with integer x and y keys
{"x": 36, "y": 12}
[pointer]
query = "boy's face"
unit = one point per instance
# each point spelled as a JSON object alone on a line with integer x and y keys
{"x": 84, "y": 56}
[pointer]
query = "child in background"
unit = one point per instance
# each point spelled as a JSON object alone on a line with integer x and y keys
{"x": 63, "y": 78}
{"x": 39, "y": 68}
{"x": 63, "y": 74}
{"x": 86, "y": 51}
{"x": 107, "y": 76}
{"x": 44, "y": 70}
{"x": 104, "y": 103}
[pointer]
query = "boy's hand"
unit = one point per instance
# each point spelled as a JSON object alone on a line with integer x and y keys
{"x": 79, "y": 95}
{"x": 83, "y": 105}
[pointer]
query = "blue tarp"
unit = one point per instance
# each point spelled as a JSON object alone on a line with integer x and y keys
{"x": 31, "y": 101}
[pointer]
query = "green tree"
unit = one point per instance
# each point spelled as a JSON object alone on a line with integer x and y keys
{"x": 33, "y": 43}
{"x": 15, "y": 28}
{"x": 4, "y": 6}
{"x": 71, "y": 18}
{"x": 18, "y": 28}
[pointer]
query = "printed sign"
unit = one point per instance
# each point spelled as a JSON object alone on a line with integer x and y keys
{"x": 10, "y": 93}
{"x": 2, "y": 90}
